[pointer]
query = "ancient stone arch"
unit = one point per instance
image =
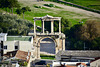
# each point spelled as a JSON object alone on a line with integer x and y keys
{"x": 49, "y": 38}
{"x": 46, "y": 47}
{"x": 57, "y": 37}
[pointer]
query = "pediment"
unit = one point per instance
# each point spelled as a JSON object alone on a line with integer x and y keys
{"x": 47, "y": 17}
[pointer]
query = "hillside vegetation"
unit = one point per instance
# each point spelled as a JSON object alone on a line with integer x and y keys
{"x": 13, "y": 26}
{"x": 74, "y": 15}
{"x": 93, "y": 4}
{"x": 40, "y": 9}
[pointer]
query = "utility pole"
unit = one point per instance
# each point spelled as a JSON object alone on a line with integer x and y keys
{"x": 84, "y": 45}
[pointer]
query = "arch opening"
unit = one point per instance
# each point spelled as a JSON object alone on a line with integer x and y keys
{"x": 47, "y": 45}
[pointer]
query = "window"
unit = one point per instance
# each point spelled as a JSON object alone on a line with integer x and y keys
{"x": 5, "y": 47}
{"x": 16, "y": 47}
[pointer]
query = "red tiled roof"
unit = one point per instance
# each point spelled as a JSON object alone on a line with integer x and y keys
{"x": 70, "y": 66}
{"x": 81, "y": 63}
{"x": 22, "y": 55}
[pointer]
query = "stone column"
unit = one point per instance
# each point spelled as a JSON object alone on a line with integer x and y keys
{"x": 59, "y": 26}
{"x": 42, "y": 26}
{"x": 38, "y": 52}
{"x": 63, "y": 44}
{"x": 56, "y": 50}
{"x": 52, "y": 30}
{"x": 34, "y": 27}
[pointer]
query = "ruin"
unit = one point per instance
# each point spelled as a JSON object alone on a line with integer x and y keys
{"x": 57, "y": 37}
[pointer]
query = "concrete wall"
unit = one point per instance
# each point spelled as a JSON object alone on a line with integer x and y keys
{"x": 25, "y": 46}
{"x": 22, "y": 45}
{"x": 10, "y": 46}
{"x": 95, "y": 63}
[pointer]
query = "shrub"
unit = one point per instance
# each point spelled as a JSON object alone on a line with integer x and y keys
{"x": 13, "y": 26}
{"x": 49, "y": 5}
{"x": 25, "y": 64}
{"x": 37, "y": 6}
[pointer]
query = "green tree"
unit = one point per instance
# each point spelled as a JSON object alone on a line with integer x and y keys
{"x": 25, "y": 9}
{"x": 12, "y": 4}
{"x": 95, "y": 44}
{"x": 73, "y": 37}
{"x": 4, "y": 4}
{"x": 9, "y": 4}
{"x": 87, "y": 34}
{"x": 14, "y": 26}
{"x": 90, "y": 30}
{"x": 19, "y": 11}
{"x": 65, "y": 26}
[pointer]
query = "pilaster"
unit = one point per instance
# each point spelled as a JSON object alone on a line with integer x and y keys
{"x": 42, "y": 26}
{"x": 52, "y": 27}
{"x": 34, "y": 27}
{"x": 59, "y": 26}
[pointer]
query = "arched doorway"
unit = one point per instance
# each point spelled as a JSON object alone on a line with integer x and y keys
{"x": 47, "y": 45}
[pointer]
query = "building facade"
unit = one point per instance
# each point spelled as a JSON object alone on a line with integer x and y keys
{"x": 23, "y": 43}
{"x": 89, "y": 57}
{"x": 14, "y": 43}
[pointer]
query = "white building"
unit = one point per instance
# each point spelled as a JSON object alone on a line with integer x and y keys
{"x": 3, "y": 36}
{"x": 13, "y": 43}
{"x": 23, "y": 43}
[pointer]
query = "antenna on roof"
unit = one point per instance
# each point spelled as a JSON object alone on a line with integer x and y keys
{"x": 84, "y": 46}
{"x": 28, "y": 52}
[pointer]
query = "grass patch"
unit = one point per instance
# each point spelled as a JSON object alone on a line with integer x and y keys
{"x": 47, "y": 57}
{"x": 40, "y": 11}
{"x": 58, "y": 7}
{"x": 52, "y": 5}
{"x": 90, "y": 5}
{"x": 41, "y": 7}
{"x": 37, "y": 6}
{"x": 46, "y": 8}
{"x": 93, "y": 4}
